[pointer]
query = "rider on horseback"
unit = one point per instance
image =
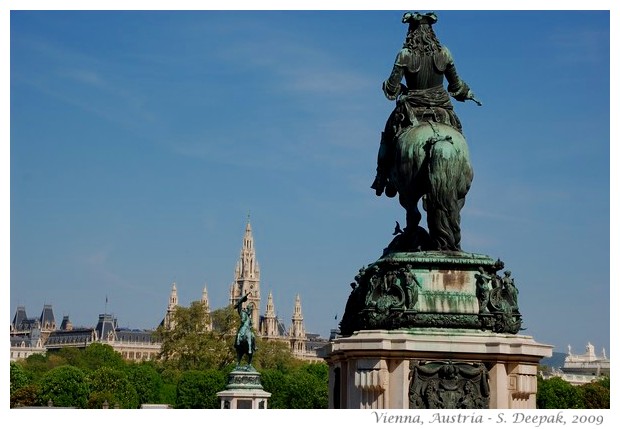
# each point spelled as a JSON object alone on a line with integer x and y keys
{"x": 423, "y": 62}
{"x": 245, "y": 342}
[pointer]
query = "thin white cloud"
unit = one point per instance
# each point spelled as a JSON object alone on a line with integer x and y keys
{"x": 321, "y": 79}
{"x": 297, "y": 66}
{"x": 83, "y": 76}
{"x": 84, "y": 81}
{"x": 580, "y": 45}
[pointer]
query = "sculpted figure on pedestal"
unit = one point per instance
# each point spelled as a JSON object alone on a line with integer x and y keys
{"x": 423, "y": 154}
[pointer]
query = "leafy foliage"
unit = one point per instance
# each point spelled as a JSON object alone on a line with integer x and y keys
{"x": 114, "y": 386}
{"x": 65, "y": 386}
{"x": 19, "y": 377}
{"x": 168, "y": 394}
{"x": 596, "y": 395}
{"x": 198, "y": 389}
{"x": 556, "y": 393}
{"x": 70, "y": 355}
{"x": 27, "y": 396}
{"x": 102, "y": 400}
{"x": 305, "y": 387}
{"x": 319, "y": 370}
{"x": 98, "y": 355}
{"x": 306, "y": 391}
{"x": 189, "y": 345}
{"x": 146, "y": 380}
{"x": 274, "y": 382}
{"x": 37, "y": 365}
{"x": 170, "y": 378}
{"x": 605, "y": 382}
{"x": 194, "y": 366}
{"x": 273, "y": 355}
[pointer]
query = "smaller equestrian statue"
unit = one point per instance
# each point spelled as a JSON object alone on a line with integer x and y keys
{"x": 245, "y": 341}
{"x": 423, "y": 154}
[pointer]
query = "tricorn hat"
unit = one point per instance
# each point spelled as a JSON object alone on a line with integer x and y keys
{"x": 415, "y": 18}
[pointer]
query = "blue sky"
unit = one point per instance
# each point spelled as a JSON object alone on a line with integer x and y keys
{"x": 141, "y": 140}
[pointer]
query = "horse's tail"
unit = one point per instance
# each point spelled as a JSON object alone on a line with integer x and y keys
{"x": 450, "y": 177}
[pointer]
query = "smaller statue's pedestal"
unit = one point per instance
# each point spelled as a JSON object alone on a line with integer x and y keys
{"x": 244, "y": 390}
{"x": 373, "y": 369}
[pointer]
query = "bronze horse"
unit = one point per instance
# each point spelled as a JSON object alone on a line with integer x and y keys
{"x": 431, "y": 162}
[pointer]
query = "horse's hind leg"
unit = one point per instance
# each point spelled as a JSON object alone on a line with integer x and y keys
{"x": 410, "y": 204}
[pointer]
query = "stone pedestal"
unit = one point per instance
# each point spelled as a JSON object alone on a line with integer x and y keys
{"x": 244, "y": 390}
{"x": 431, "y": 329}
{"x": 433, "y": 368}
{"x": 455, "y": 290}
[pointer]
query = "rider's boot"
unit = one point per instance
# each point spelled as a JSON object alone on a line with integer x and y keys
{"x": 382, "y": 183}
{"x": 379, "y": 184}
{"x": 380, "y": 179}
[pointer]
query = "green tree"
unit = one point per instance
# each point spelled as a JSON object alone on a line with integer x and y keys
{"x": 596, "y": 395}
{"x": 190, "y": 345}
{"x": 19, "y": 377}
{"x": 198, "y": 389}
{"x": 65, "y": 386}
{"x": 70, "y": 355}
{"x": 274, "y": 381}
{"x": 103, "y": 400}
{"x": 98, "y": 355}
{"x": 225, "y": 323}
{"x": 305, "y": 387}
{"x": 146, "y": 380}
{"x": 274, "y": 355}
{"x": 168, "y": 392}
{"x": 112, "y": 385}
{"x": 605, "y": 382}
{"x": 36, "y": 365}
{"x": 556, "y": 393}
{"x": 306, "y": 391}
{"x": 26, "y": 396}
{"x": 318, "y": 370}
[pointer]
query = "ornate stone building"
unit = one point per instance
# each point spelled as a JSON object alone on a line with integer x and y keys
{"x": 268, "y": 325}
{"x": 581, "y": 369}
{"x": 27, "y": 336}
{"x": 38, "y": 335}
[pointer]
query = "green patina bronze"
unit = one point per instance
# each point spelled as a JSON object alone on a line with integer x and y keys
{"x": 424, "y": 279}
{"x": 244, "y": 378}
{"x": 423, "y": 154}
{"x": 245, "y": 340}
{"x": 432, "y": 290}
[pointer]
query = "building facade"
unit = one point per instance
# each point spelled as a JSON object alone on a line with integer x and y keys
{"x": 584, "y": 368}
{"x": 28, "y": 338}
{"x": 37, "y": 335}
{"x": 268, "y": 325}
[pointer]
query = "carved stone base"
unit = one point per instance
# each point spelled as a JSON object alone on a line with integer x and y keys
{"x": 244, "y": 390}
{"x": 435, "y": 290}
{"x": 433, "y": 368}
{"x": 244, "y": 378}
